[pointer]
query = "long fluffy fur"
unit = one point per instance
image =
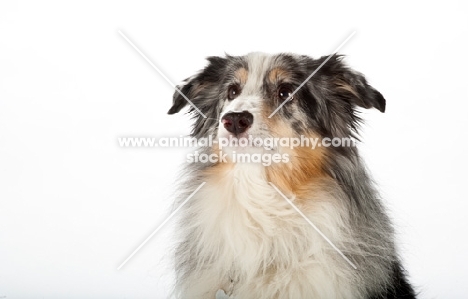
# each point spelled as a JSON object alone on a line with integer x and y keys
{"x": 240, "y": 235}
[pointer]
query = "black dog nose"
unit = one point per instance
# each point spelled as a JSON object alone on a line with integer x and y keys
{"x": 237, "y": 122}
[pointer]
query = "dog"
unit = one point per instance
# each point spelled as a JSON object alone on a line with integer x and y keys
{"x": 311, "y": 225}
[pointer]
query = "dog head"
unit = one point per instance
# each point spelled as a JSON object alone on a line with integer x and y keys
{"x": 272, "y": 95}
{"x": 280, "y": 96}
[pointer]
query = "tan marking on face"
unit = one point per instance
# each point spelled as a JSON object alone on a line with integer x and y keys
{"x": 266, "y": 111}
{"x": 277, "y": 74}
{"x": 242, "y": 75}
{"x": 305, "y": 166}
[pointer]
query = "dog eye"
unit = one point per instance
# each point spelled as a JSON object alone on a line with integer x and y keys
{"x": 284, "y": 92}
{"x": 233, "y": 92}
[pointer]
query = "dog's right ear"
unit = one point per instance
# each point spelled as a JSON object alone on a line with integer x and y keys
{"x": 178, "y": 99}
{"x": 193, "y": 87}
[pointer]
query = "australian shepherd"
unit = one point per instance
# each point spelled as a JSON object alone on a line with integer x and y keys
{"x": 307, "y": 224}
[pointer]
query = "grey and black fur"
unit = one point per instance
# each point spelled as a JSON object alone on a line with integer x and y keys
{"x": 338, "y": 189}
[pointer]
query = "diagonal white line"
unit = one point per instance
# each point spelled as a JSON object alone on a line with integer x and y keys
{"x": 313, "y": 225}
{"x": 161, "y": 225}
{"x": 313, "y": 73}
{"x": 160, "y": 73}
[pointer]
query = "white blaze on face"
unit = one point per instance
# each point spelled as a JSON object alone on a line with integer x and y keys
{"x": 250, "y": 98}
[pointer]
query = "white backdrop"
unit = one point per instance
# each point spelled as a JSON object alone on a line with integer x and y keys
{"x": 74, "y": 205}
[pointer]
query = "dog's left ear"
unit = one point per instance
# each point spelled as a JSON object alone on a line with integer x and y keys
{"x": 353, "y": 86}
{"x": 360, "y": 93}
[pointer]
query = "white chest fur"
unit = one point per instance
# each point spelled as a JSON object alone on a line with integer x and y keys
{"x": 246, "y": 231}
